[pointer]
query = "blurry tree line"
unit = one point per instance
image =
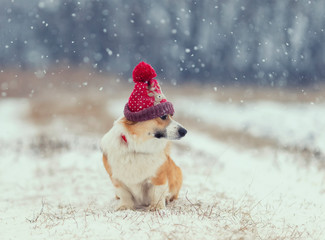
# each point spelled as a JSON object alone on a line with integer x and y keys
{"x": 274, "y": 43}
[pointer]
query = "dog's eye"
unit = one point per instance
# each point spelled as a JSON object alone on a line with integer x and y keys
{"x": 164, "y": 117}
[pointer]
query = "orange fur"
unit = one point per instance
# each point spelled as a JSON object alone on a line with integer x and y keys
{"x": 171, "y": 172}
{"x": 108, "y": 168}
{"x": 175, "y": 179}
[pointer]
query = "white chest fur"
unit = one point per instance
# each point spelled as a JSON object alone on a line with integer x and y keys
{"x": 132, "y": 163}
{"x": 134, "y": 168}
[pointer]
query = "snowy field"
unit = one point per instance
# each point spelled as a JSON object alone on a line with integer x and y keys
{"x": 252, "y": 170}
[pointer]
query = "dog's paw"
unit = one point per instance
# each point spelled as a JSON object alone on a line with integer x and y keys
{"x": 157, "y": 206}
{"x": 122, "y": 207}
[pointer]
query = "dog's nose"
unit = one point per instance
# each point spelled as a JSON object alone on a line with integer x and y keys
{"x": 182, "y": 132}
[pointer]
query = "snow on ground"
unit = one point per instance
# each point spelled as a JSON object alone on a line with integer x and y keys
{"x": 54, "y": 185}
{"x": 300, "y": 124}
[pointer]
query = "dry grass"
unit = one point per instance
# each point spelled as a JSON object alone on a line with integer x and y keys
{"x": 84, "y": 112}
{"x": 27, "y": 84}
{"x": 229, "y": 218}
{"x": 75, "y": 96}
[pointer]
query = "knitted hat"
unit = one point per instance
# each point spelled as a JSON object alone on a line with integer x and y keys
{"x": 147, "y": 100}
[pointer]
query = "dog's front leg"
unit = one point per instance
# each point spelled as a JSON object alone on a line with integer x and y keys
{"x": 158, "y": 194}
{"x": 126, "y": 199}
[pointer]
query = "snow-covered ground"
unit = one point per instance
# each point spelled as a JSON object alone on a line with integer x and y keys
{"x": 291, "y": 123}
{"x": 53, "y": 184}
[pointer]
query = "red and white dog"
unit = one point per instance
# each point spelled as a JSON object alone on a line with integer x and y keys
{"x": 136, "y": 156}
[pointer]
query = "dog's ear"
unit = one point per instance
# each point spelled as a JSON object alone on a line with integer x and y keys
{"x": 127, "y": 122}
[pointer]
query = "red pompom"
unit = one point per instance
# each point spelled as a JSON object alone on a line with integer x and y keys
{"x": 143, "y": 72}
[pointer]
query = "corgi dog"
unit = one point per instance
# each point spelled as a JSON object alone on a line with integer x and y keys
{"x": 136, "y": 155}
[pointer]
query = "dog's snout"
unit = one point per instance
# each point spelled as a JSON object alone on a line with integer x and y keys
{"x": 182, "y": 132}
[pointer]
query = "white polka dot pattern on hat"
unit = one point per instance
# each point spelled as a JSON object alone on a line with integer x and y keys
{"x": 139, "y": 98}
